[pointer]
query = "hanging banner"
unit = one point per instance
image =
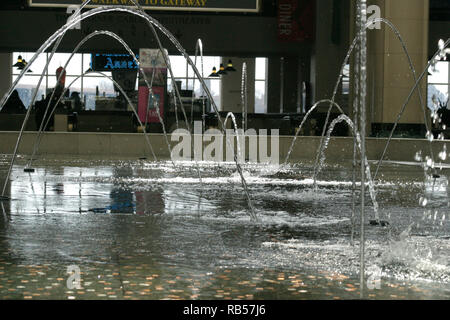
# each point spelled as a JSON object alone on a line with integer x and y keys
{"x": 147, "y": 102}
{"x": 296, "y": 20}
{"x": 153, "y": 64}
{"x": 182, "y": 5}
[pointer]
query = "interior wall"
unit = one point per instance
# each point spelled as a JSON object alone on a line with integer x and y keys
{"x": 331, "y": 45}
{"x": 6, "y": 73}
{"x": 246, "y": 36}
{"x": 274, "y": 85}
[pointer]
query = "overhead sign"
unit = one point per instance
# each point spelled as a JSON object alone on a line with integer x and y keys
{"x": 112, "y": 62}
{"x": 296, "y": 20}
{"x": 182, "y": 5}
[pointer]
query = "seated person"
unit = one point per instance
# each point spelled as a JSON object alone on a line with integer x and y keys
{"x": 14, "y": 105}
{"x": 76, "y": 105}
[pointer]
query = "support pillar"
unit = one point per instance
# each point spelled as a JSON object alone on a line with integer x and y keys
{"x": 274, "y": 85}
{"x": 291, "y": 84}
{"x": 285, "y": 76}
{"x": 330, "y": 48}
{"x": 389, "y": 76}
{"x": 6, "y": 72}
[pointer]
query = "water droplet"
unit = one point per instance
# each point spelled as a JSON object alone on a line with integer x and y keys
{"x": 423, "y": 201}
{"x": 418, "y": 156}
{"x": 430, "y": 136}
{"x": 443, "y": 155}
{"x": 429, "y": 162}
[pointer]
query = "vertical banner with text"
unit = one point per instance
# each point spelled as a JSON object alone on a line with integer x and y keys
{"x": 296, "y": 19}
{"x": 153, "y": 64}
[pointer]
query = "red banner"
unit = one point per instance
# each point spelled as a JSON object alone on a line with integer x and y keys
{"x": 147, "y": 104}
{"x": 296, "y": 20}
{"x": 153, "y": 65}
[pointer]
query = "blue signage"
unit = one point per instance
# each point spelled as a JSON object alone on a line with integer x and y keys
{"x": 113, "y": 62}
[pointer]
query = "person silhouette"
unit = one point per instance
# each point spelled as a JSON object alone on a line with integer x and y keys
{"x": 76, "y": 105}
{"x": 43, "y": 115}
{"x": 14, "y": 105}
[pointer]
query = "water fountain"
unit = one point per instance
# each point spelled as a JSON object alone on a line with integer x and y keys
{"x": 244, "y": 96}
{"x": 151, "y": 22}
{"x": 256, "y": 248}
{"x": 198, "y": 51}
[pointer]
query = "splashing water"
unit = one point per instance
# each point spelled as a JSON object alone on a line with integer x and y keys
{"x": 244, "y": 96}
{"x": 310, "y": 111}
{"x": 344, "y": 118}
{"x": 151, "y": 22}
{"x": 240, "y": 143}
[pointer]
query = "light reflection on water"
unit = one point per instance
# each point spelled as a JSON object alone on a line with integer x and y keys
{"x": 143, "y": 225}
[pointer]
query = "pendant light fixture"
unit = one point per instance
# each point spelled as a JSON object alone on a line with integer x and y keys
{"x": 230, "y": 67}
{"x": 21, "y": 63}
{"x": 214, "y": 73}
{"x": 25, "y": 63}
{"x": 222, "y": 70}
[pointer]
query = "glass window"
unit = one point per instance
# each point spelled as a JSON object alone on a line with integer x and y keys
{"x": 38, "y": 65}
{"x": 60, "y": 60}
{"x": 26, "y": 88}
{"x": 438, "y": 85}
{"x": 260, "y": 85}
{"x": 440, "y": 73}
{"x": 178, "y": 64}
{"x": 90, "y": 84}
{"x": 260, "y": 97}
{"x": 208, "y": 64}
{"x": 212, "y": 84}
{"x": 87, "y": 84}
{"x": 261, "y": 69}
{"x": 86, "y": 62}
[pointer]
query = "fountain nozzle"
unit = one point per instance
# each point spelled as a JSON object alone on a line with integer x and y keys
{"x": 28, "y": 170}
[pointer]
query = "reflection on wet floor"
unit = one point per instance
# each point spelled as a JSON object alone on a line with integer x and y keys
{"x": 143, "y": 230}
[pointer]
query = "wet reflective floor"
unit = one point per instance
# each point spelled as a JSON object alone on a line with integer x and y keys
{"x": 143, "y": 230}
